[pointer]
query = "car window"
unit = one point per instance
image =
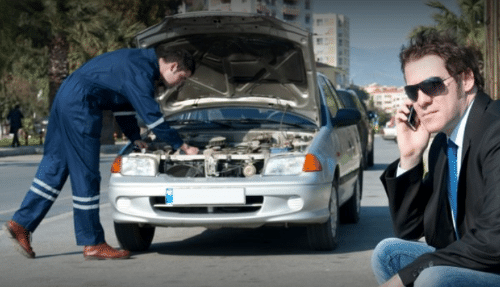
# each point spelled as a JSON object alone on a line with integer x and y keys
{"x": 238, "y": 114}
{"x": 347, "y": 99}
{"x": 331, "y": 102}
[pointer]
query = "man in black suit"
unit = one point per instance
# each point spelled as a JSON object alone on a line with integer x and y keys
{"x": 15, "y": 118}
{"x": 447, "y": 220}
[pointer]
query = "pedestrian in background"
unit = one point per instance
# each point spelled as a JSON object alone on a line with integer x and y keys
{"x": 15, "y": 118}
{"x": 119, "y": 81}
{"x": 456, "y": 206}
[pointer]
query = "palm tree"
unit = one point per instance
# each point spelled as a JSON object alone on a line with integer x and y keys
{"x": 468, "y": 26}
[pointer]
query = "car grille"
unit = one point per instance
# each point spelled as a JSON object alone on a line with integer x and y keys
{"x": 252, "y": 204}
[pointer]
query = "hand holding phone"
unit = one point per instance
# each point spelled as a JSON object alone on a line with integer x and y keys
{"x": 411, "y": 121}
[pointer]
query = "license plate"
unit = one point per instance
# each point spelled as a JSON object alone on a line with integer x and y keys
{"x": 204, "y": 196}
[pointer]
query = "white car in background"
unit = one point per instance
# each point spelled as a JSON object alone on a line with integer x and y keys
{"x": 389, "y": 132}
{"x": 277, "y": 147}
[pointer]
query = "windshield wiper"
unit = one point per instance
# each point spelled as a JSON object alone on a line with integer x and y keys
{"x": 198, "y": 122}
{"x": 268, "y": 121}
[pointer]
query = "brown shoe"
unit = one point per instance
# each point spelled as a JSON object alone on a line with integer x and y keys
{"x": 104, "y": 251}
{"x": 21, "y": 238}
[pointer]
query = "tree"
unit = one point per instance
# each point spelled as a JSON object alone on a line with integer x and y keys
{"x": 468, "y": 26}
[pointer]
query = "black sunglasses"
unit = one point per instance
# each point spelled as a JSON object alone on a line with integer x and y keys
{"x": 431, "y": 86}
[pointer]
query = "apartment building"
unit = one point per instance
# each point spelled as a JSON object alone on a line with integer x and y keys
{"x": 331, "y": 43}
{"x": 387, "y": 98}
{"x": 296, "y": 12}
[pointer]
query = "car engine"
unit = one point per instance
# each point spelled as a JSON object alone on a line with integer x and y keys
{"x": 236, "y": 154}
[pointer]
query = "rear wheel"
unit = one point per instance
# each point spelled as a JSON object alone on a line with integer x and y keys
{"x": 324, "y": 236}
{"x": 370, "y": 158}
{"x": 133, "y": 237}
{"x": 350, "y": 211}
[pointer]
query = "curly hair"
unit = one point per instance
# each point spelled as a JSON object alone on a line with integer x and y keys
{"x": 180, "y": 56}
{"x": 458, "y": 58}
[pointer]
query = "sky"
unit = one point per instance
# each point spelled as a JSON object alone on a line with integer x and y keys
{"x": 378, "y": 25}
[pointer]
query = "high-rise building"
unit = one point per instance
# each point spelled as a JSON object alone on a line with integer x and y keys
{"x": 331, "y": 43}
{"x": 296, "y": 12}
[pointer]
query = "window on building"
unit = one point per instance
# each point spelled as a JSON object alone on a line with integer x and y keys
{"x": 308, "y": 5}
{"x": 308, "y": 18}
{"x": 340, "y": 42}
{"x": 319, "y": 41}
{"x": 319, "y": 22}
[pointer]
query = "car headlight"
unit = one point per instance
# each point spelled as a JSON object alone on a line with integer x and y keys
{"x": 136, "y": 165}
{"x": 292, "y": 164}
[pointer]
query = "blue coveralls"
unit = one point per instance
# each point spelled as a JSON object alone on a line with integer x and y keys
{"x": 115, "y": 81}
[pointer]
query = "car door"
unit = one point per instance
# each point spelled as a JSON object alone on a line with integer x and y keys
{"x": 342, "y": 134}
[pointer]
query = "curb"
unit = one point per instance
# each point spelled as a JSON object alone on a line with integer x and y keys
{"x": 31, "y": 150}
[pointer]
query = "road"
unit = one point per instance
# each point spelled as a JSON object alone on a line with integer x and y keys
{"x": 192, "y": 256}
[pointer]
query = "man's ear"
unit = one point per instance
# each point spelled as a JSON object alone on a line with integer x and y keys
{"x": 468, "y": 81}
{"x": 173, "y": 66}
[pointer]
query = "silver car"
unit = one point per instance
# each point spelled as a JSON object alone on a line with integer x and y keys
{"x": 277, "y": 147}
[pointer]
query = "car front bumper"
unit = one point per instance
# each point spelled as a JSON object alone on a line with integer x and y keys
{"x": 293, "y": 200}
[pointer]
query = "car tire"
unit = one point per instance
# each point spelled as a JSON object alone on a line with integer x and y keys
{"x": 350, "y": 211}
{"x": 324, "y": 236}
{"x": 133, "y": 237}
{"x": 370, "y": 160}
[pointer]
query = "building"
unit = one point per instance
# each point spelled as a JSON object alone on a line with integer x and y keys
{"x": 331, "y": 44}
{"x": 387, "y": 98}
{"x": 296, "y": 12}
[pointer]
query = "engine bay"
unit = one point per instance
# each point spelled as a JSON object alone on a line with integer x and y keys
{"x": 227, "y": 154}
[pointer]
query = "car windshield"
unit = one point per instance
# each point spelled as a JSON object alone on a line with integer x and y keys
{"x": 235, "y": 117}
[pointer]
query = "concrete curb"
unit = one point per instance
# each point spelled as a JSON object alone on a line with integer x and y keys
{"x": 30, "y": 150}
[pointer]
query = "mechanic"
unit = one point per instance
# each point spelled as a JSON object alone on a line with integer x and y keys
{"x": 117, "y": 81}
{"x": 455, "y": 207}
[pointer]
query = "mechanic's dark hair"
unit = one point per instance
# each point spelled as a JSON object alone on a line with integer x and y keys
{"x": 180, "y": 56}
{"x": 458, "y": 58}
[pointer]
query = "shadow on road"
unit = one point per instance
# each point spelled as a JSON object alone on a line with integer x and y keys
{"x": 378, "y": 166}
{"x": 374, "y": 226}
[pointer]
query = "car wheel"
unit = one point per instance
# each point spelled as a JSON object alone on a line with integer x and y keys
{"x": 133, "y": 237}
{"x": 350, "y": 211}
{"x": 324, "y": 236}
{"x": 370, "y": 159}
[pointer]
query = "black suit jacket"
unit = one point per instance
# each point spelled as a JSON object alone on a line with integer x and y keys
{"x": 419, "y": 206}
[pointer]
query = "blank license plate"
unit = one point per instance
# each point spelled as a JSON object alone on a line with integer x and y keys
{"x": 212, "y": 196}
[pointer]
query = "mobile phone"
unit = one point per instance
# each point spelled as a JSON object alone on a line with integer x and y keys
{"x": 411, "y": 121}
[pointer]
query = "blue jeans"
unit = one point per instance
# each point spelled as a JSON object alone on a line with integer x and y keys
{"x": 393, "y": 254}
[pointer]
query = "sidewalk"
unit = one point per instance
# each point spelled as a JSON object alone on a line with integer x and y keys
{"x": 30, "y": 150}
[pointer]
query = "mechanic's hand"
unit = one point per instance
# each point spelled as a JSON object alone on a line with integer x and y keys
{"x": 140, "y": 144}
{"x": 411, "y": 143}
{"x": 189, "y": 150}
{"x": 395, "y": 281}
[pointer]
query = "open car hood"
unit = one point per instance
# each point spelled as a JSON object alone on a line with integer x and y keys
{"x": 241, "y": 60}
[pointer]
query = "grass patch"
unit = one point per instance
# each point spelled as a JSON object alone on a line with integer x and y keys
{"x": 6, "y": 142}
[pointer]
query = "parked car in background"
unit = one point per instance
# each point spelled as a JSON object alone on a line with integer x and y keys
{"x": 277, "y": 147}
{"x": 365, "y": 129}
{"x": 389, "y": 132}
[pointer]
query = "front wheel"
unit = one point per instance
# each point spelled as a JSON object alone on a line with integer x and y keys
{"x": 133, "y": 237}
{"x": 324, "y": 236}
{"x": 350, "y": 211}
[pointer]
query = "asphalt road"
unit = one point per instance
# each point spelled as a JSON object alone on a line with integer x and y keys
{"x": 192, "y": 256}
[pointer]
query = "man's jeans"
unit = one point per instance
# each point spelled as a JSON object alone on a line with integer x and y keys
{"x": 393, "y": 254}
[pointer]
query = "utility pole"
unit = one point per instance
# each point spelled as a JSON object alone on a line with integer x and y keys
{"x": 492, "y": 57}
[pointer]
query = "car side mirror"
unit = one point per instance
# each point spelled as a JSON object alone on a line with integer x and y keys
{"x": 346, "y": 117}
